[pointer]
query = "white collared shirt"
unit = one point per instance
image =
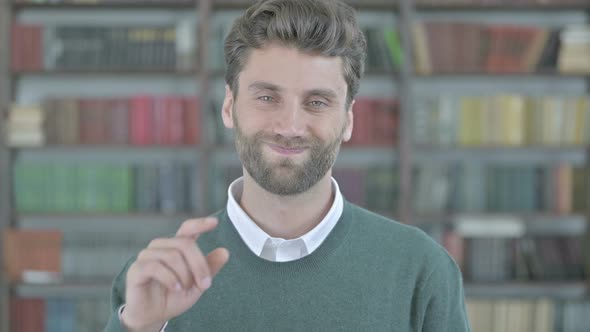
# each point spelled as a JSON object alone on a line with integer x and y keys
{"x": 277, "y": 249}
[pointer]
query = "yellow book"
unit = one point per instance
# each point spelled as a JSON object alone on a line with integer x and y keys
{"x": 581, "y": 109}
{"x": 500, "y": 316}
{"x": 543, "y": 315}
{"x": 513, "y": 120}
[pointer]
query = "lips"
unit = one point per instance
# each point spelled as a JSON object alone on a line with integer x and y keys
{"x": 287, "y": 150}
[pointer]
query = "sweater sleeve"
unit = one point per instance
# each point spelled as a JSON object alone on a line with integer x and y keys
{"x": 117, "y": 300}
{"x": 441, "y": 300}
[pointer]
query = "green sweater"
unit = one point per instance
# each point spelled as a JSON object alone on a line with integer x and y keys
{"x": 370, "y": 274}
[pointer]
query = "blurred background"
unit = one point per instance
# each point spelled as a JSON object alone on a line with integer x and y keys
{"x": 472, "y": 123}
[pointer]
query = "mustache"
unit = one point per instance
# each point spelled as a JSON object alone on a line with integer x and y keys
{"x": 287, "y": 142}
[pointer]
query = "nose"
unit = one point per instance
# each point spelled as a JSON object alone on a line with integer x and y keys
{"x": 290, "y": 120}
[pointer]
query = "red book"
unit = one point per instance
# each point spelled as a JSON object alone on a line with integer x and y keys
{"x": 509, "y": 47}
{"x": 27, "y": 47}
{"x": 37, "y": 48}
{"x": 384, "y": 122}
{"x": 192, "y": 121}
{"x": 362, "y": 113}
{"x": 142, "y": 120}
{"x": 118, "y": 121}
{"x": 31, "y": 250}
{"x": 91, "y": 122}
{"x": 16, "y": 33}
{"x": 174, "y": 120}
{"x": 160, "y": 133}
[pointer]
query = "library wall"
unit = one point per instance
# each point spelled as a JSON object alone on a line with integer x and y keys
{"x": 107, "y": 141}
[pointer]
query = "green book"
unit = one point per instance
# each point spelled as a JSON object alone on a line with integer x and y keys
{"x": 64, "y": 189}
{"x": 394, "y": 46}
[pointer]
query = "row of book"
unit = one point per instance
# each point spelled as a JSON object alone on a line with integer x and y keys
{"x": 485, "y": 315}
{"x": 527, "y": 315}
{"x": 440, "y": 47}
{"x": 471, "y": 187}
{"x": 468, "y": 187}
{"x": 166, "y": 187}
{"x": 59, "y": 314}
{"x": 443, "y": 120}
{"x": 462, "y": 47}
{"x": 170, "y": 187}
{"x": 137, "y": 120}
{"x": 462, "y": 187}
{"x": 501, "y": 120}
{"x": 70, "y": 47}
{"x": 538, "y": 259}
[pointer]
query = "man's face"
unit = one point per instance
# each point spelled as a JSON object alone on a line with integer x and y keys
{"x": 289, "y": 117}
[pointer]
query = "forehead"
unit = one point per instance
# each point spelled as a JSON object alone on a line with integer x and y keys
{"x": 293, "y": 70}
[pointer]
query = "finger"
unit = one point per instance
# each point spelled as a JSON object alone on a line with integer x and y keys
{"x": 192, "y": 255}
{"x": 173, "y": 260}
{"x": 195, "y": 227}
{"x": 217, "y": 259}
{"x": 142, "y": 272}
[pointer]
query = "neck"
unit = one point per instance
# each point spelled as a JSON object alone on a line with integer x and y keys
{"x": 287, "y": 217}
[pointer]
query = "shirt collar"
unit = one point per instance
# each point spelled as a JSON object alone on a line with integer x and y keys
{"x": 255, "y": 237}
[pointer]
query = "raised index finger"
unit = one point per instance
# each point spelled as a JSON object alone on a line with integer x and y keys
{"x": 194, "y": 227}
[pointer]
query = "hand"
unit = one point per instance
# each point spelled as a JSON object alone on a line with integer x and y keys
{"x": 169, "y": 277}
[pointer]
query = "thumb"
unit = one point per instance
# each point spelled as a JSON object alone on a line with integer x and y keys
{"x": 217, "y": 259}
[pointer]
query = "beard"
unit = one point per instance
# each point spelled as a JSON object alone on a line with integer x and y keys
{"x": 285, "y": 177}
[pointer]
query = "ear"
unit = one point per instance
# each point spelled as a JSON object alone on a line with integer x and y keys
{"x": 226, "y": 109}
{"x": 349, "y": 123}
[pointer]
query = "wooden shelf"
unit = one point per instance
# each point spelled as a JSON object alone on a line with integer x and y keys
{"x": 99, "y": 289}
{"x": 508, "y": 224}
{"x": 108, "y": 153}
{"x": 541, "y": 155}
{"x": 363, "y": 156}
{"x": 108, "y": 72}
{"x": 455, "y": 75}
{"x": 555, "y": 290}
{"x": 131, "y": 5}
{"x": 501, "y": 7}
{"x": 87, "y": 222}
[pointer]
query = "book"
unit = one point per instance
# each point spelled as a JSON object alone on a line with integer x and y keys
{"x": 32, "y": 250}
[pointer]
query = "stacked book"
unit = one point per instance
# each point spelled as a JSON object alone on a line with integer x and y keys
{"x": 25, "y": 126}
{"x": 574, "y": 54}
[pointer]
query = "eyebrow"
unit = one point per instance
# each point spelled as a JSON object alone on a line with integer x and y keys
{"x": 264, "y": 86}
{"x": 326, "y": 93}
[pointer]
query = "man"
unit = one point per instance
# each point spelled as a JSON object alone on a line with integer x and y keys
{"x": 289, "y": 252}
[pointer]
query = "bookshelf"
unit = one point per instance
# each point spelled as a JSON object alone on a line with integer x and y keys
{"x": 461, "y": 231}
{"x": 5, "y": 156}
{"x": 392, "y": 165}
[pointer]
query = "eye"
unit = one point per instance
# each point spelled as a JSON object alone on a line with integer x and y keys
{"x": 317, "y": 103}
{"x": 266, "y": 98}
